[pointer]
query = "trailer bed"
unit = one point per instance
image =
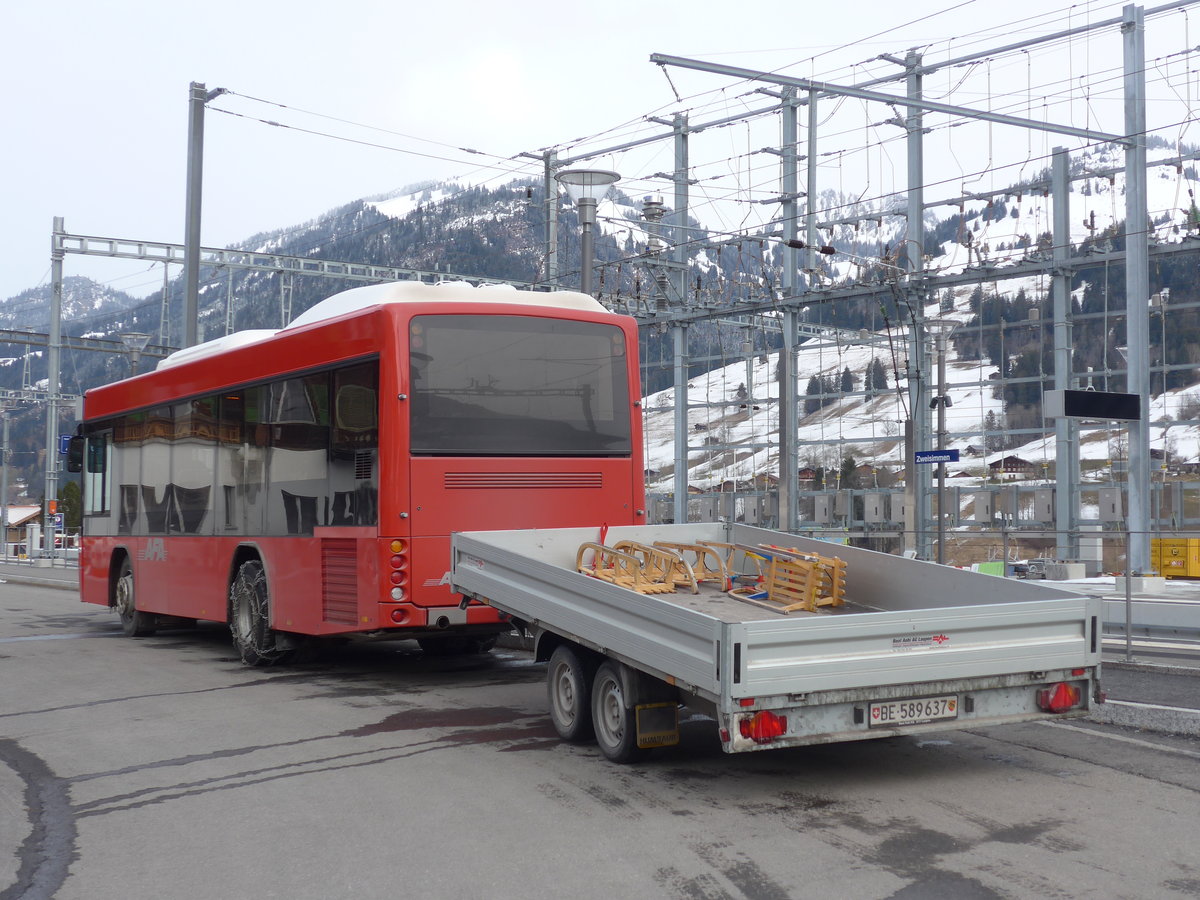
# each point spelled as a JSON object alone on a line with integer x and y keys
{"x": 908, "y": 630}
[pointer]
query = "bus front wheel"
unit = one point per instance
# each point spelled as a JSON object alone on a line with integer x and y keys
{"x": 133, "y": 622}
{"x": 249, "y": 617}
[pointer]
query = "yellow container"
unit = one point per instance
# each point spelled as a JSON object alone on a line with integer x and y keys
{"x": 1176, "y": 557}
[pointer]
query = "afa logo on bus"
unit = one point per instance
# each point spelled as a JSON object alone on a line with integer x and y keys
{"x": 155, "y": 549}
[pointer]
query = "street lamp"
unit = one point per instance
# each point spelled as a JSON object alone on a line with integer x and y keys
{"x": 940, "y": 330}
{"x": 135, "y": 342}
{"x": 587, "y": 187}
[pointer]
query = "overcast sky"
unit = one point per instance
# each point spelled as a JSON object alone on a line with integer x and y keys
{"x": 95, "y": 98}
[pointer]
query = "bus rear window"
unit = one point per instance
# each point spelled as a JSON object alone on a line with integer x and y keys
{"x": 518, "y": 386}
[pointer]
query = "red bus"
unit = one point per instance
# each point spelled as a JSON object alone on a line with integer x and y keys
{"x": 305, "y": 482}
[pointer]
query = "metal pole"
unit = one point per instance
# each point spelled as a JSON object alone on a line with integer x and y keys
{"x": 197, "y": 96}
{"x": 787, "y": 417}
{"x": 918, "y": 384}
{"x": 285, "y": 299}
{"x": 53, "y": 352}
{"x": 4, "y": 478}
{"x": 810, "y": 220}
{"x": 1066, "y": 431}
{"x": 1137, "y": 285}
{"x": 679, "y": 334}
{"x": 551, "y": 218}
{"x": 941, "y": 445}
{"x": 164, "y": 317}
{"x": 680, "y": 242}
{"x": 1128, "y": 599}
{"x": 789, "y": 464}
{"x": 587, "y": 243}
{"x": 228, "y": 300}
{"x": 909, "y": 101}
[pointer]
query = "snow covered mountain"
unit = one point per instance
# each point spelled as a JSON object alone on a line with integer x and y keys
{"x": 499, "y": 232}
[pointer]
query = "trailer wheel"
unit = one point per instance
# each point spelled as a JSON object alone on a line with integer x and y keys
{"x": 612, "y": 716}
{"x": 133, "y": 622}
{"x": 569, "y": 686}
{"x": 249, "y": 617}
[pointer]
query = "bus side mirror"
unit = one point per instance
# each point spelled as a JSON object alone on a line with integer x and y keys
{"x": 75, "y": 453}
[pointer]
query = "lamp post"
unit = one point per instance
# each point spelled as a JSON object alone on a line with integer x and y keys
{"x": 1158, "y": 305}
{"x": 4, "y": 479}
{"x": 587, "y": 187}
{"x": 135, "y": 342}
{"x": 940, "y": 330}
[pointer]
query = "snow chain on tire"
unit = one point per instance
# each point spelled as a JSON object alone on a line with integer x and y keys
{"x": 249, "y": 610}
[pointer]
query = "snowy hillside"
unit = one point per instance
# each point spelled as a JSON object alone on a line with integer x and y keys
{"x": 730, "y": 429}
{"x": 733, "y": 415}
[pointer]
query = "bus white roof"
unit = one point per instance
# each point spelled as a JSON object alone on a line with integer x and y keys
{"x": 393, "y": 292}
{"x": 218, "y": 345}
{"x": 446, "y": 291}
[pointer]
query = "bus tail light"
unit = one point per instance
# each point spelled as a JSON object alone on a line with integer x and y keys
{"x": 763, "y": 727}
{"x": 398, "y": 562}
{"x": 1058, "y": 698}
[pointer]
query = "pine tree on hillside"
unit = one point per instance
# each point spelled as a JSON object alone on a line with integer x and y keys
{"x": 812, "y": 401}
{"x": 876, "y": 380}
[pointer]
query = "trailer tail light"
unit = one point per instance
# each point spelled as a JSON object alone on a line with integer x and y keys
{"x": 763, "y": 727}
{"x": 1058, "y": 698}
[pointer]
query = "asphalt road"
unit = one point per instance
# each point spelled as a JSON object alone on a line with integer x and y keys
{"x": 160, "y": 767}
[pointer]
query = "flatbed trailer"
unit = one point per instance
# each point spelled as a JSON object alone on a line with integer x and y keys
{"x": 916, "y": 647}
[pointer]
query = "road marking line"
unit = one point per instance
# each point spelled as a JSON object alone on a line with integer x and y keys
{"x": 56, "y": 637}
{"x": 1140, "y": 705}
{"x": 1123, "y": 739}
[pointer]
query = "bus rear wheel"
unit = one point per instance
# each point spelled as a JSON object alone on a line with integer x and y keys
{"x": 133, "y": 622}
{"x": 250, "y": 619}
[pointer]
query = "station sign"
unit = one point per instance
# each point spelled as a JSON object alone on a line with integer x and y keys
{"x": 925, "y": 457}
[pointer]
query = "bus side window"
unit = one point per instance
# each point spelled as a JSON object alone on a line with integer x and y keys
{"x": 354, "y": 462}
{"x": 95, "y": 475}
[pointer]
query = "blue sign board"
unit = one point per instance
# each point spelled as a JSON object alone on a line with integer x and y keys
{"x": 935, "y": 456}
{"x": 64, "y": 442}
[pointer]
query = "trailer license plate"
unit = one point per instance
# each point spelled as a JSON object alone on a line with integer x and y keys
{"x": 913, "y": 712}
